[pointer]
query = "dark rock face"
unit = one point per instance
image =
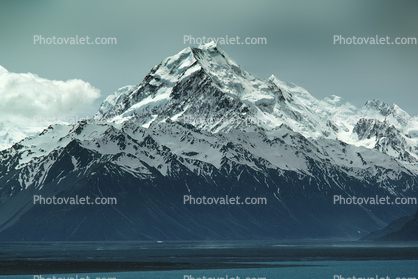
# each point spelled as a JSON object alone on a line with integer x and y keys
{"x": 403, "y": 229}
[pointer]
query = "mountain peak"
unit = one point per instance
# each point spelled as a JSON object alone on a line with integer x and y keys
{"x": 204, "y": 82}
{"x": 207, "y": 88}
{"x": 384, "y": 108}
{"x": 210, "y": 45}
{"x": 393, "y": 114}
{"x": 206, "y": 55}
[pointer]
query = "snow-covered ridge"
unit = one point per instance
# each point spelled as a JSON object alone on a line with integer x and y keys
{"x": 205, "y": 89}
{"x": 272, "y": 101}
{"x": 205, "y": 84}
{"x": 196, "y": 77}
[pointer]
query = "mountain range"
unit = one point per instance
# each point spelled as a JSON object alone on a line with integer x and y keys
{"x": 199, "y": 125}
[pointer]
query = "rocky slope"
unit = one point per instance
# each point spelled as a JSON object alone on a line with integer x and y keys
{"x": 200, "y": 125}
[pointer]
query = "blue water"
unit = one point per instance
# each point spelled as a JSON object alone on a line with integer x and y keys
{"x": 313, "y": 270}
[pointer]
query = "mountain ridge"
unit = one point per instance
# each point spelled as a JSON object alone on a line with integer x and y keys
{"x": 402, "y": 229}
{"x": 145, "y": 147}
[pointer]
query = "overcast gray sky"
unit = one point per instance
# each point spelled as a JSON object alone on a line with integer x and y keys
{"x": 299, "y": 46}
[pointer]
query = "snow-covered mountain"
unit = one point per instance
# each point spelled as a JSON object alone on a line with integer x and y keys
{"x": 205, "y": 87}
{"x": 12, "y": 132}
{"x": 200, "y": 125}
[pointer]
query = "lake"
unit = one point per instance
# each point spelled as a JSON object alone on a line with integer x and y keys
{"x": 219, "y": 260}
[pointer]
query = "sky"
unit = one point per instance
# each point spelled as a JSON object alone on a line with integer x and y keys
{"x": 64, "y": 80}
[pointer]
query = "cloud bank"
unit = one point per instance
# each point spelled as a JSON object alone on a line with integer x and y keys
{"x": 26, "y": 95}
{"x": 28, "y": 102}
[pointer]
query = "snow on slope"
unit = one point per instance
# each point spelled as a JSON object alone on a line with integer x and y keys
{"x": 346, "y": 117}
{"x": 10, "y": 133}
{"x": 293, "y": 127}
{"x": 220, "y": 80}
{"x": 272, "y": 103}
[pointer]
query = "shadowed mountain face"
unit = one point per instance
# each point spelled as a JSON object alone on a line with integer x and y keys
{"x": 200, "y": 126}
{"x": 403, "y": 229}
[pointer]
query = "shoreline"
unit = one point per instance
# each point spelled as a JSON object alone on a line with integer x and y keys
{"x": 96, "y": 257}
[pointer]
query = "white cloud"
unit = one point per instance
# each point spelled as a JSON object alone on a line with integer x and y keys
{"x": 29, "y": 103}
{"x": 28, "y": 95}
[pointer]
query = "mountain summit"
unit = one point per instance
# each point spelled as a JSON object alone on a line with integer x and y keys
{"x": 199, "y": 125}
{"x": 207, "y": 87}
